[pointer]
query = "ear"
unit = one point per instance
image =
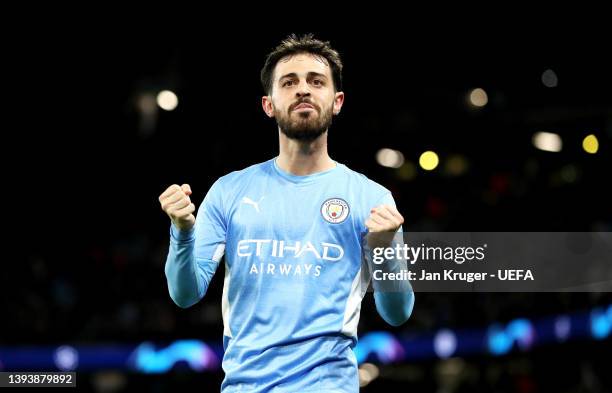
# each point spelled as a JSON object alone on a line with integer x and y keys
{"x": 268, "y": 107}
{"x": 338, "y": 102}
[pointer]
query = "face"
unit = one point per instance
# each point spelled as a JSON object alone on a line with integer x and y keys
{"x": 303, "y": 99}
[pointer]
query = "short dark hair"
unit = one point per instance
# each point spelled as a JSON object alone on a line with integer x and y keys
{"x": 293, "y": 45}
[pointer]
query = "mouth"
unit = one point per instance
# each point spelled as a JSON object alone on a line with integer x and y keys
{"x": 303, "y": 107}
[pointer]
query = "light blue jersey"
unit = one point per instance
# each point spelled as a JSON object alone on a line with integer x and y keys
{"x": 294, "y": 277}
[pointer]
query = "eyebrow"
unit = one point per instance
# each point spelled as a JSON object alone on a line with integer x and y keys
{"x": 310, "y": 74}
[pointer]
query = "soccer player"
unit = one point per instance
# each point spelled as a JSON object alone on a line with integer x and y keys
{"x": 291, "y": 230}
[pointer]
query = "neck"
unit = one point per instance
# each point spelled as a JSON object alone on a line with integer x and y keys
{"x": 304, "y": 157}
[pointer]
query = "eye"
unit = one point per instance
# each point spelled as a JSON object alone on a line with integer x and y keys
{"x": 287, "y": 83}
{"x": 317, "y": 82}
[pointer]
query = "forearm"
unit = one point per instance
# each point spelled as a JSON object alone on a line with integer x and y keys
{"x": 395, "y": 307}
{"x": 187, "y": 279}
{"x": 394, "y": 298}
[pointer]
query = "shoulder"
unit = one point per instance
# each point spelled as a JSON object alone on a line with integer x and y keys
{"x": 224, "y": 190}
{"x": 371, "y": 188}
{"x": 236, "y": 177}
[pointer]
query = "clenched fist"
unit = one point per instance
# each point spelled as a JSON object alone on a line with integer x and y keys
{"x": 382, "y": 224}
{"x": 384, "y": 218}
{"x": 176, "y": 203}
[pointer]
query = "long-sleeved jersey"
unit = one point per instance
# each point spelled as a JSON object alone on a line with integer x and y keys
{"x": 294, "y": 275}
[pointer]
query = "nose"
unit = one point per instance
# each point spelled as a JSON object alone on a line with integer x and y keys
{"x": 303, "y": 90}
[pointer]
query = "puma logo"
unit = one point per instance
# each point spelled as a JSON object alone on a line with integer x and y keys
{"x": 249, "y": 201}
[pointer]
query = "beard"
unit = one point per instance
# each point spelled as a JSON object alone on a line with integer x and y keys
{"x": 305, "y": 126}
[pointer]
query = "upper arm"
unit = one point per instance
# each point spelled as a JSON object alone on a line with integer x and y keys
{"x": 211, "y": 226}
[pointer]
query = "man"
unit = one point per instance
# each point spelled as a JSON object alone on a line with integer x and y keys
{"x": 291, "y": 231}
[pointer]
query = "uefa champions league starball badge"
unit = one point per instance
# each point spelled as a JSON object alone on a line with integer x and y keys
{"x": 335, "y": 210}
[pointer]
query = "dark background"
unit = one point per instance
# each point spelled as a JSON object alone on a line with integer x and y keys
{"x": 88, "y": 240}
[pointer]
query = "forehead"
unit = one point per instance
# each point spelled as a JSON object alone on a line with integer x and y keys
{"x": 301, "y": 63}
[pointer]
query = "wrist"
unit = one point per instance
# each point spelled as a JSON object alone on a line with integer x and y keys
{"x": 181, "y": 234}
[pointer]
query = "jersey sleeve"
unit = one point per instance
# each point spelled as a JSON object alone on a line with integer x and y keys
{"x": 194, "y": 255}
{"x": 394, "y": 303}
{"x": 211, "y": 226}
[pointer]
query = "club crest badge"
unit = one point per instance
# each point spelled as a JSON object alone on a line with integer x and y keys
{"x": 335, "y": 210}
